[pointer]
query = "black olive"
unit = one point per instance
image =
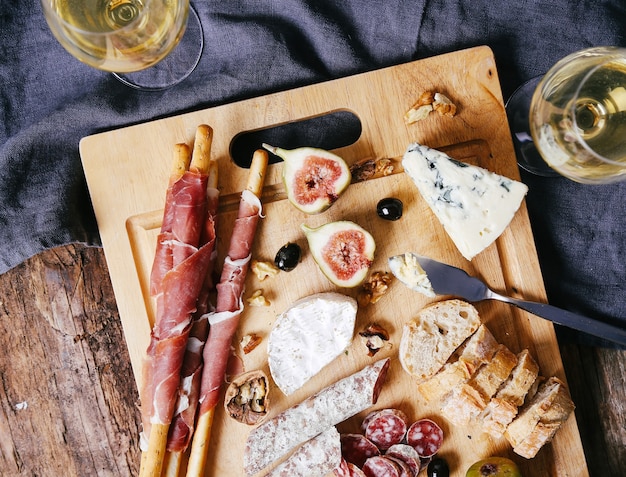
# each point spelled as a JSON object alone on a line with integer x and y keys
{"x": 389, "y": 208}
{"x": 288, "y": 256}
{"x": 438, "y": 467}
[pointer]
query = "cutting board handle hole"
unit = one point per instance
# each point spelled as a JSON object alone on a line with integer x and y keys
{"x": 329, "y": 131}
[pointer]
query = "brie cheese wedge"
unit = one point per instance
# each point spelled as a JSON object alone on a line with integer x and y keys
{"x": 473, "y": 204}
{"x": 309, "y": 335}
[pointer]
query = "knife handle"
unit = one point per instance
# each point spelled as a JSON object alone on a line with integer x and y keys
{"x": 569, "y": 319}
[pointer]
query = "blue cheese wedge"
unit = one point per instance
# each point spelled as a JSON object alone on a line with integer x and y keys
{"x": 309, "y": 335}
{"x": 473, "y": 204}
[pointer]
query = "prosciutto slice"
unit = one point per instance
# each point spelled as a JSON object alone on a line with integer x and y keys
{"x": 183, "y": 422}
{"x": 225, "y": 319}
{"x": 177, "y": 277}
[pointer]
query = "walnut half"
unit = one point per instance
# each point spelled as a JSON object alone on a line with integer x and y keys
{"x": 374, "y": 288}
{"x": 246, "y": 397}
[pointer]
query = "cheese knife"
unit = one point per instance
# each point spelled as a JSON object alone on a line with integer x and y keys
{"x": 449, "y": 280}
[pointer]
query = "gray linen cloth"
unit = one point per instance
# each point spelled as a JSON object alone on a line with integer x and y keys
{"x": 50, "y": 100}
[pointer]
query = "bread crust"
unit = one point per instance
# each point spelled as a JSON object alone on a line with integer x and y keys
{"x": 478, "y": 380}
{"x": 468, "y": 400}
{"x": 477, "y": 350}
{"x": 539, "y": 420}
{"x": 504, "y": 406}
{"x": 429, "y": 339}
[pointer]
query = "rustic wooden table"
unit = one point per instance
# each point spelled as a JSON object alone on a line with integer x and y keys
{"x": 69, "y": 403}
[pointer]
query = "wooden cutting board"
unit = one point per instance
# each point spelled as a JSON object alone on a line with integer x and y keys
{"x": 127, "y": 172}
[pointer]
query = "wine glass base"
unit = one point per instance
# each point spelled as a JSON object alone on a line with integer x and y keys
{"x": 517, "y": 109}
{"x": 176, "y": 66}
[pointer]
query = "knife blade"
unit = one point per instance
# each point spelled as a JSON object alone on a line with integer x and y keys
{"x": 449, "y": 280}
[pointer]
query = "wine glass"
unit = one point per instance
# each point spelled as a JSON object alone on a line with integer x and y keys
{"x": 576, "y": 121}
{"x": 134, "y": 39}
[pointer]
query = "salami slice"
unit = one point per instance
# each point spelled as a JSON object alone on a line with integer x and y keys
{"x": 356, "y": 448}
{"x": 425, "y": 436}
{"x": 381, "y": 466}
{"x": 406, "y": 454}
{"x": 318, "y": 456}
{"x": 405, "y": 470}
{"x": 334, "y": 404}
{"x": 386, "y": 428}
{"x": 342, "y": 470}
{"x": 355, "y": 471}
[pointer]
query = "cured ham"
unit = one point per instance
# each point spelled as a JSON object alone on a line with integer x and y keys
{"x": 223, "y": 321}
{"x": 183, "y": 423}
{"x": 182, "y": 259}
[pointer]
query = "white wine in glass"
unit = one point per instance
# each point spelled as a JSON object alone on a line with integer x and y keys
{"x": 119, "y": 36}
{"x": 578, "y": 116}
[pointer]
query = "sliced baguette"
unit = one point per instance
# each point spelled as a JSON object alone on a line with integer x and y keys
{"x": 469, "y": 399}
{"x": 504, "y": 406}
{"x": 429, "y": 339}
{"x": 476, "y": 351}
{"x": 539, "y": 420}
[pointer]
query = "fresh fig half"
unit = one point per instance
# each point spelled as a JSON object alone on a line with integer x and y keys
{"x": 314, "y": 178}
{"x": 343, "y": 250}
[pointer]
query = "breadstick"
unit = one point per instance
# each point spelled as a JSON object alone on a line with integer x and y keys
{"x": 201, "y": 438}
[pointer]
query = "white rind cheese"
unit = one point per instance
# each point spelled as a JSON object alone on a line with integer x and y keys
{"x": 473, "y": 204}
{"x": 309, "y": 335}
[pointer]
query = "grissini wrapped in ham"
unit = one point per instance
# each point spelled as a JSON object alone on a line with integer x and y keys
{"x": 224, "y": 320}
{"x": 177, "y": 277}
{"x": 275, "y": 438}
{"x": 183, "y": 422}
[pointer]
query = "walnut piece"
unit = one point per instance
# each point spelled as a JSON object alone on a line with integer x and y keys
{"x": 374, "y": 288}
{"x": 257, "y": 299}
{"x": 375, "y": 337}
{"x": 249, "y": 342}
{"x": 443, "y": 105}
{"x": 369, "y": 168}
{"x": 246, "y": 397}
{"x": 263, "y": 270}
{"x": 427, "y": 102}
{"x": 384, "y": 166}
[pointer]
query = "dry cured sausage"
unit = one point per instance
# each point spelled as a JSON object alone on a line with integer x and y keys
{"x": 385, "y": 427}
{"x": 318, "y": 456}
{"x": 356, "y": 448}
{"x": 381, "y": 466}
{"x": 425, "y": 436}
{"x": 406, "y": 454}
{"x": 274, "y": 438}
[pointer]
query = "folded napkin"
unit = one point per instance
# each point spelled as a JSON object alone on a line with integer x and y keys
{"x": 50, "y": 101}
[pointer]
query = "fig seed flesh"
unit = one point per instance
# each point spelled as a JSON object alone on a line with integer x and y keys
{"x": 313, "y": 178}
{"x": 343, "y": 250}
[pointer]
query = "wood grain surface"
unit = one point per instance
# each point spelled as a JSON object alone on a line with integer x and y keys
{"x": 127, "y": 171}
{"x": 68, "y": 400}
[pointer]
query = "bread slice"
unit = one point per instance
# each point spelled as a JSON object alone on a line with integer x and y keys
{"x": 504, "y": 406}
{"x": 429, "y": 339}
{"x": 539, "y": 420}
{"x": 471, "y": 398}
{"x": 476, "y": 351}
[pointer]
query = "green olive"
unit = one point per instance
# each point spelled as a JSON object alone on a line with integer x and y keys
{"x": 494, "y": 467}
